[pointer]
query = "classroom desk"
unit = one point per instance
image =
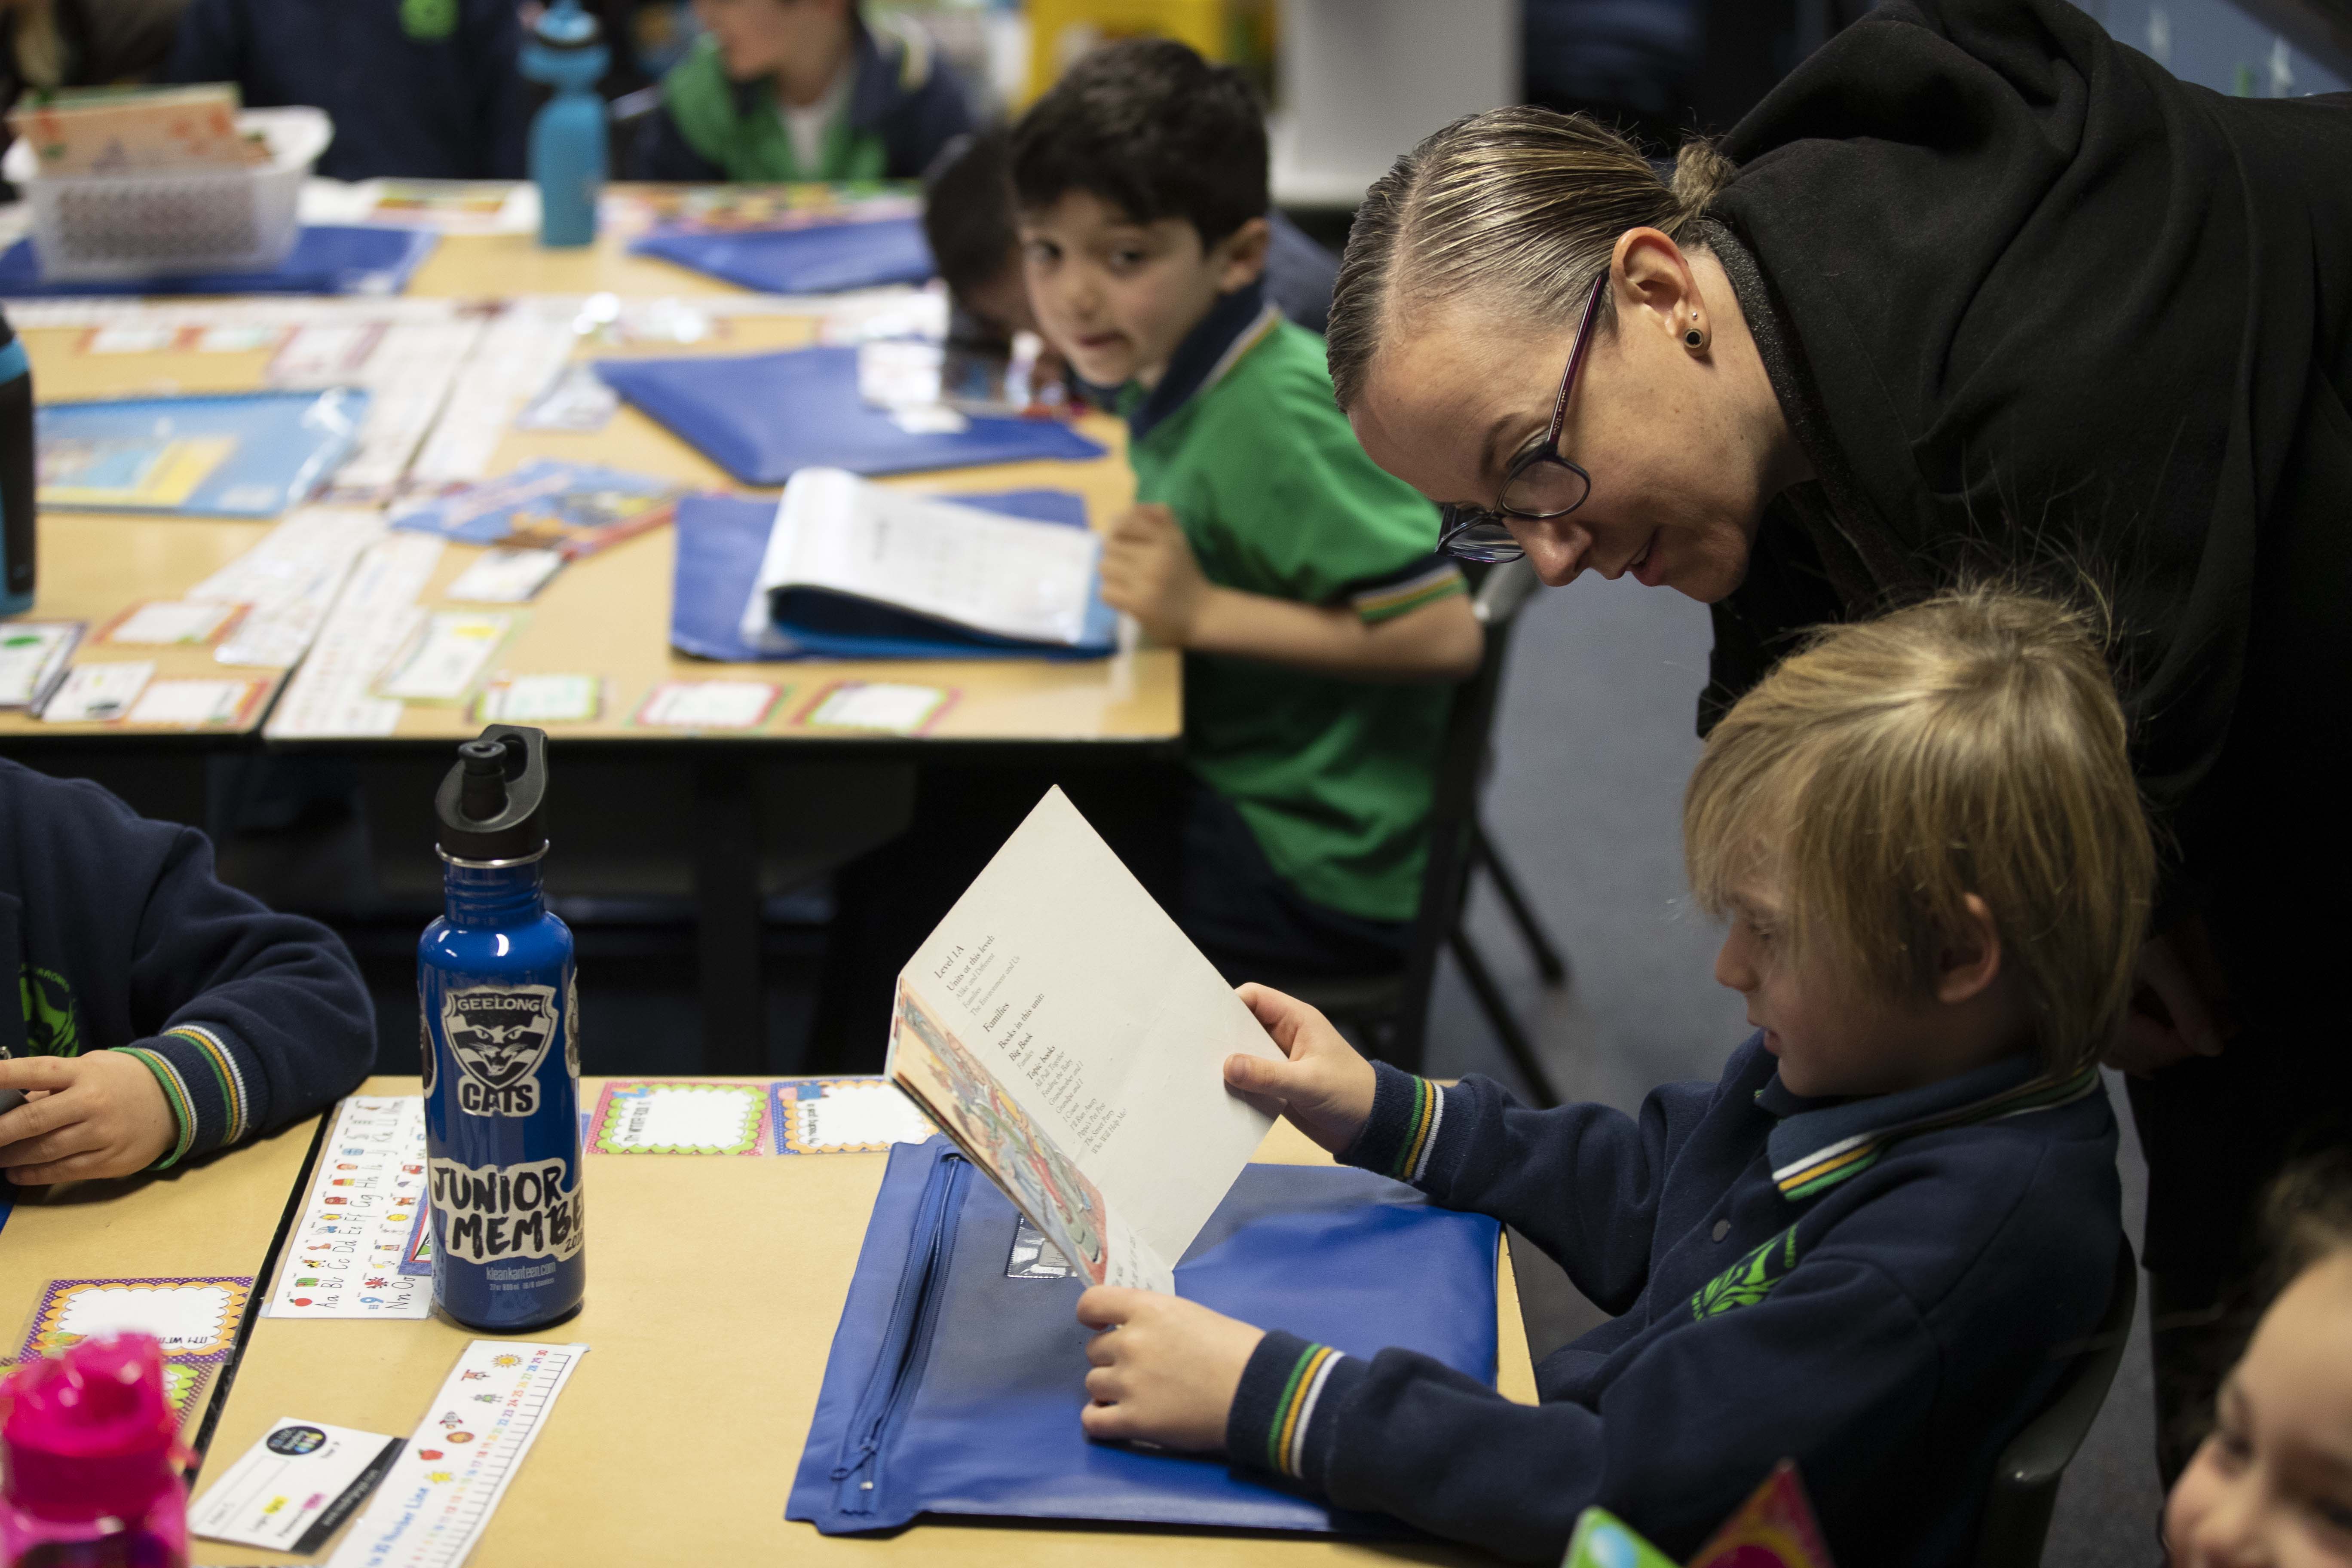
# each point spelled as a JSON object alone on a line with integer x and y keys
{"x": 216, "y": 1216}
{"x": 676, "y": 1438}
{"x": 609, "y": 615}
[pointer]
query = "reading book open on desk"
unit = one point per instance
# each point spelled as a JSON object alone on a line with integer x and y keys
{"x": 1070, "y": 1042}
{"x": 855, "y": 570}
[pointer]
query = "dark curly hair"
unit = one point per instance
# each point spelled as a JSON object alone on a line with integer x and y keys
{"x": 1153, "y": 129}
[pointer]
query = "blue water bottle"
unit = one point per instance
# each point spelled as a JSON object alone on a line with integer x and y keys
{"x": 17, "y": 535}
{"x": 566, "y": 50}
{"x": 500, "y": 1037}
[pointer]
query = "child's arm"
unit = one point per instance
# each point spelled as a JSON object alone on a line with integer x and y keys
{"x": 1148, "y": 570}
{"x": 1581, "y": 1181}
{"x": 1835, "y": 1368}
{"x": 243, "y": 1020}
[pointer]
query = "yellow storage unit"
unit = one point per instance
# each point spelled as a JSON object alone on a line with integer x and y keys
{"x": 1235, "y": 32}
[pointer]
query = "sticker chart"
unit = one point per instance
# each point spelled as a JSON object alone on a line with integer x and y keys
{"x": 844, "y": 1116}
{"x": 440, "y": 1493}
{"x": 294, "y": 1488}
{"x": 787, "y": 1115}
{"x": 194, "y": 1319}
{"x": 343, "y": 1259}
{"x": 680, "y": 1119}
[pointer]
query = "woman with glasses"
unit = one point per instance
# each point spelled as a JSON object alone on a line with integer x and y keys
{"x": 1976, "y": 292}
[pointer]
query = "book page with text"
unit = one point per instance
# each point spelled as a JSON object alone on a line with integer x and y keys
{"x": 1074, "y": 1041}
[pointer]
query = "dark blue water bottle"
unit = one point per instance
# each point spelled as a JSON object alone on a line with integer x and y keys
{"x": 502, "y": 1045}
{"x": 17, "y": 535}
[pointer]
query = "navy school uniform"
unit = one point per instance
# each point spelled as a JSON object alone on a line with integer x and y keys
{"x": 122, "y": 938}
{"x": 417, "y": 88}
{"x": 1885, "y": 1290}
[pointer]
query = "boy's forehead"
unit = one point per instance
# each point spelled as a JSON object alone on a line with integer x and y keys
{"x": 1081, "y": 211}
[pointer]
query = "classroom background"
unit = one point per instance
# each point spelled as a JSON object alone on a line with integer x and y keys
{"x": 699, "y": 953}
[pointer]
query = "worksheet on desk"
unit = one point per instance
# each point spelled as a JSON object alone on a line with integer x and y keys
{"x": 1009, "y": 576}
{"x": 1072, "y": 1041}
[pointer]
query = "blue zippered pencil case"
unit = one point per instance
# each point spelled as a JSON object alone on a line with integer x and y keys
{"x": 957, "y": 1375}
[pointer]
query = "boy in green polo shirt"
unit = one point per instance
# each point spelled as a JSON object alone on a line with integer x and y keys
{"x": 1319, "y": 630}
{"x": 801, "y": 89}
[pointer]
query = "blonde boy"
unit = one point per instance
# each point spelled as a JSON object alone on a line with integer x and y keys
{"x": 1866, "y": 1244}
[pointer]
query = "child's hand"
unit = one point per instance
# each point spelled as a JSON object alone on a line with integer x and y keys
{"x": 1149, "y": 571}
{"x": 1166, "y": 1369}
{"x": 94, "y": 1116}
{"x": 1326, "y": 1087}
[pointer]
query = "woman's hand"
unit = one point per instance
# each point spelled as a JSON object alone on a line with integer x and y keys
{"x": 87, "y": 1117}
{"x": 1148, "y": 571}
{"x": 1323, "y": 1087}
{"x": 2179, "y": 1006}
{"x": 1165, "y": 1369}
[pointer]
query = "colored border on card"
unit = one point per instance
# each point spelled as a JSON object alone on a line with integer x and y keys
{"x": 776, "y": 694}
{"x": 256, "y": 690}
{"x": 638, "y": 1087}
{"x": 806, "y": 718}
{"x": 783, "y": 1095}
{"x": 228, "y": 623}
{"x": 595, "y": 707}
{"x": 43, "y": 1338}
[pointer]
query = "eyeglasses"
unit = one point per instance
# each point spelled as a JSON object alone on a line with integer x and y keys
{"x": 1540, "y": 484}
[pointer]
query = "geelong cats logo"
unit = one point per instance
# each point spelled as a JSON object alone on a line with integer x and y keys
{"x": 500, "y": 1033}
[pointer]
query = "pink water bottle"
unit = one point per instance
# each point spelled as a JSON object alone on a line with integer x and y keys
{"x": 92, "y": 1461}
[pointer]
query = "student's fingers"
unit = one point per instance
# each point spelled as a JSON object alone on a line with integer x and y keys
{"x": 37, "y": 1117}
{"x": 1109, "y": 1306}
{"x": 39, "y": 1072}
{"x": 1255, "y": 1074}
{"x": 1106, "y": 1423}
{"x": 75, "y": 1138}
{"x": 1105, "y": 1385}
{"x": 89, "y": 1165}
{"x": 1276, "y": 1014}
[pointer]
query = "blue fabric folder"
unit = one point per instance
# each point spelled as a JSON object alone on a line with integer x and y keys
{"x": 953, "y": 1389}
{"x": 720, "y": 542}
{"x": 825, "y": 259}
{"x": 764, "y": 417}
{"x": 326, "y": 260}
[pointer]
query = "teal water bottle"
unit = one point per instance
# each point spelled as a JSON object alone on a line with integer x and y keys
{"x": 566, "y": 51}
{"x": 16, "y": 536}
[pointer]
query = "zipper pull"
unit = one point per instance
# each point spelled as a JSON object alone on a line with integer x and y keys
{"x": 858, "y": 1499}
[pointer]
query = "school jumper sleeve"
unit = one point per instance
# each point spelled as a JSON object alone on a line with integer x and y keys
{"x": 257, "y": 1018}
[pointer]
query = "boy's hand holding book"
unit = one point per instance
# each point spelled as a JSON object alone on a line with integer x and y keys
{"x": 1149, "y": 571}
{"x": 1323, "y": 1087}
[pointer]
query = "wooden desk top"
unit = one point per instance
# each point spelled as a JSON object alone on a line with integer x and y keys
{"x": 608, "y": 615}
{"x": 677, "y": 1437}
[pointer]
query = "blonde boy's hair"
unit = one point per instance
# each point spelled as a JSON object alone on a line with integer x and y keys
{"x": 1970, "y": 744}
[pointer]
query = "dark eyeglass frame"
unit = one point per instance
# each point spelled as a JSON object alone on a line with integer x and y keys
{"x": 1477, "y": 533}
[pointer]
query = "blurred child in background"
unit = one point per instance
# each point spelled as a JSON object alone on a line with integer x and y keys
{"x": 801, "y": 89}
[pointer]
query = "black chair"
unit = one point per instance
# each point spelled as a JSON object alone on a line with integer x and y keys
{"x": 1391, "y": 1011}
{"x": 2025, "y": 1477}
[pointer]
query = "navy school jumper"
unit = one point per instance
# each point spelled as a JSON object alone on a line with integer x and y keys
{"x": 122, "y": 938}
{"x": 1885, "y": 1290}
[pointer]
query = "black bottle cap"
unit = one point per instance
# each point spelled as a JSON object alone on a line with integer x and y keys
{"x": 490, "y": 803}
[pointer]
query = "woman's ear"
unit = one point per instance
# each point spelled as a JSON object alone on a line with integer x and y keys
{"x": 1239, "y": 258}
{"x": 1971, "y": 960}
{"x": 1653, "y": 284}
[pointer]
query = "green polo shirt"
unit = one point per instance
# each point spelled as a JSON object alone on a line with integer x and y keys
{"x": 1333, "y": 776}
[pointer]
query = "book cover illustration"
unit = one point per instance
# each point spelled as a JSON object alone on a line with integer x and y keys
{"x": 574, "y": 509}
{"x": 965, "y": 1099}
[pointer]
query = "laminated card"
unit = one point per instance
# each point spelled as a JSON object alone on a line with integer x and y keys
{"x": 1072, "y": 1041}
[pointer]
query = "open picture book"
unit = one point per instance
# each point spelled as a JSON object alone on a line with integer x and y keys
{"x": 1071, "y": 1040}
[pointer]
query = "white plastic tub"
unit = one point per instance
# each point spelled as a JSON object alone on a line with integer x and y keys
{"x": 118, "y": 228}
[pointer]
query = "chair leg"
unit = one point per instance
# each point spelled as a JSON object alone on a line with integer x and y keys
{"x": 1548, "y": 962}
{"x": 1515, "y": 1044}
